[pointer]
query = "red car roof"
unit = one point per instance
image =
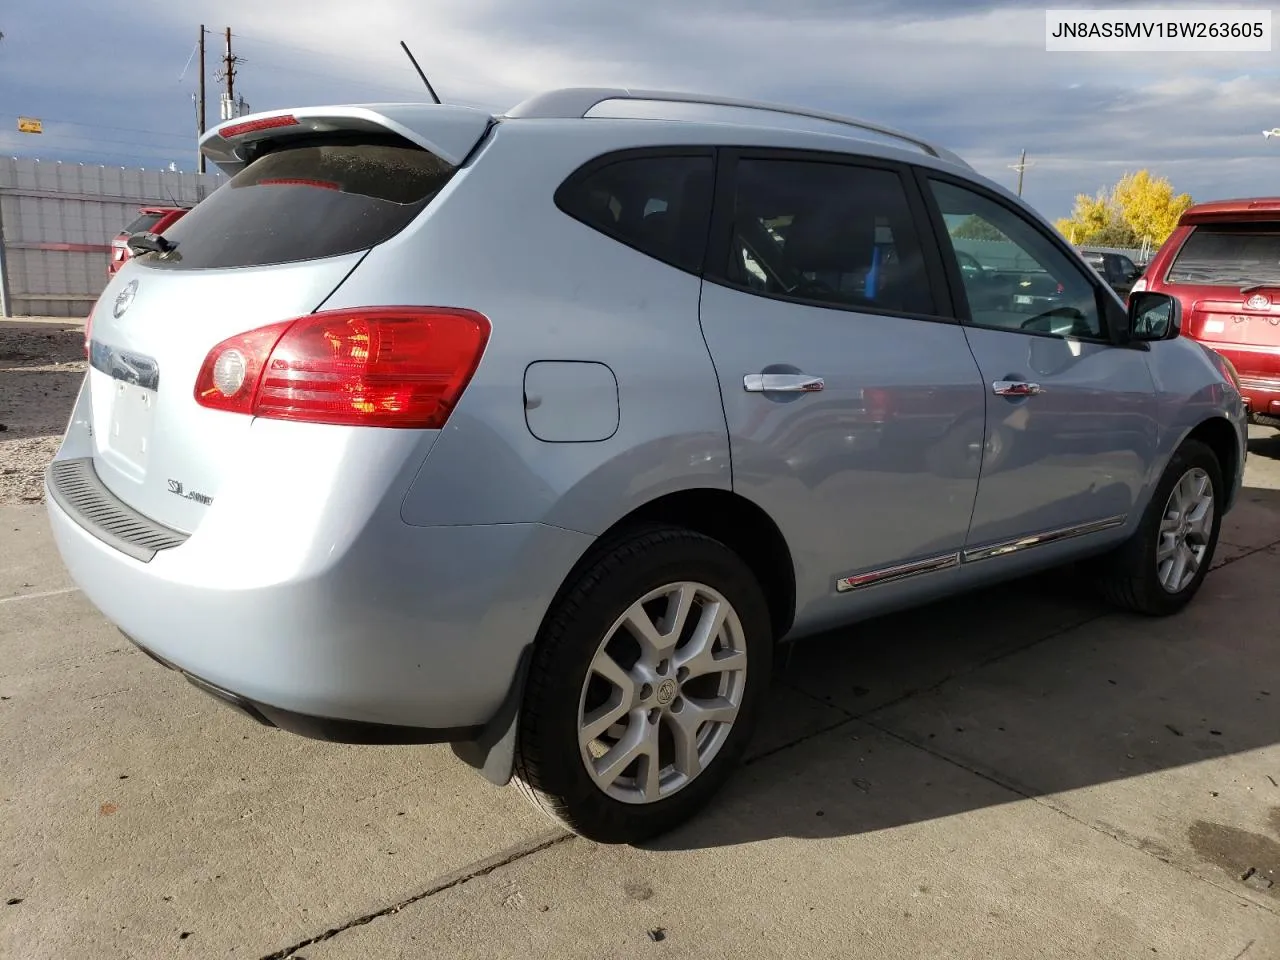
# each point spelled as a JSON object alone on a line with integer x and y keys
{"x": 1249, "y": 208}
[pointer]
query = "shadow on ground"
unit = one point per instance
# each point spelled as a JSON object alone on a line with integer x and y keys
{"x": 1266, "y": 446}
{"x": 1035, "y": 686}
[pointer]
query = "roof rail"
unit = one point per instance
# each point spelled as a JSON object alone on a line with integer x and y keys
{"x": 576, "y": 102}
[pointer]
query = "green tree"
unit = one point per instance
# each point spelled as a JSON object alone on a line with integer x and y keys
{"x": 975, "y": 228}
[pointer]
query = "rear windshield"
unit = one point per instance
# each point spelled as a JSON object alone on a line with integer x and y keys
{"x": 1229, "y": 255}
{"x": 306, "y": 203}
{"x": 142, "y": 224}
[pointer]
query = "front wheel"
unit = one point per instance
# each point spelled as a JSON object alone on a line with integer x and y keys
{"x": 644, "y": 687}
{"x": 1162, "y": 566}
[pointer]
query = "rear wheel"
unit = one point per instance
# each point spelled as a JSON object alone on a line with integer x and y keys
{"x": 644, "y": 687}
{"x": 1162, "y": 566}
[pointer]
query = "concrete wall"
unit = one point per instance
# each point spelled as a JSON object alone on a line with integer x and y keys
{"x": 57, "y": 221}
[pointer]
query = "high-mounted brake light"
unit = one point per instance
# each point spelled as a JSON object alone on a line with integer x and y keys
{"x": 380, "y": 367}
{"x": 252, "y": 126}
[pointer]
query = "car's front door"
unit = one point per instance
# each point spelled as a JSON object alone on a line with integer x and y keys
{"x": 853, "y": 405}
{"x": 1071, "y": 417}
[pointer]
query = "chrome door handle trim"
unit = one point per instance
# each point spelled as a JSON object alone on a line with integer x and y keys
{"x": 1016, "y": 388}
{"x": 781, "y": 383}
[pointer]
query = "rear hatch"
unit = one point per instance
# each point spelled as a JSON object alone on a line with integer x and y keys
{"x": 1228, "y": 278}
{"x": 312, "y": 192}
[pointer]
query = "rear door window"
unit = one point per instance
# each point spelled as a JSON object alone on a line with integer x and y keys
{"x": 307, "y": 203}
{"x": 659, "y": 204}
{"x": 1229, "y": 255}
{"x": 828, "y": 233}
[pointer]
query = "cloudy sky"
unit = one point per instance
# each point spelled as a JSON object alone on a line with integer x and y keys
{"x": 108, "y": 78}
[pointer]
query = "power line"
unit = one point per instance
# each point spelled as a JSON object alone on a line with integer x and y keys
{"x": 126, "y": 143}
{"x": 324, "y": 54}
{"x": 65, "y": 152}
{"x": 275, "y": 68}
{"x": 101, "y": 126}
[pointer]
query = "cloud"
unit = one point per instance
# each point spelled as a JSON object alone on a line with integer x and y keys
{"x": 972, "y": 74}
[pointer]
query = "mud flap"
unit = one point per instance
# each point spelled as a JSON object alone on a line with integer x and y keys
{"x": 493, "y": 752}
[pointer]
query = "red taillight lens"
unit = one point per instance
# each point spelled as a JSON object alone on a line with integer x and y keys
{"x": 380, "y": 367}
{"x": 250, "y": 126}
{"x": 876, "y": 402}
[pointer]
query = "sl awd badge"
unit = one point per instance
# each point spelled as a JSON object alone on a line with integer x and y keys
{"x": 176, "y": 488}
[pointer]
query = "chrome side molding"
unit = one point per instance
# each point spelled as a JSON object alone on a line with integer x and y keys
{"x": 1005, "y": 547}
{"x": 901, "y": 572}
{"x": 872, "y": 578}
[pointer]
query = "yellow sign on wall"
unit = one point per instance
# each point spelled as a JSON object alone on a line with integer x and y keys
{"x": 30, "y": 125}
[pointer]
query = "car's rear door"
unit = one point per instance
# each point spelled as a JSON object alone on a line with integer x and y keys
{"x": 1071, "y": 417}
{"x": 854, "y": 407}
{"x": 268, "y": 246}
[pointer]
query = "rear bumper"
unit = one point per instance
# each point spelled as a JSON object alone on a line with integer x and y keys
{"x": 319, "y": 728}
{"x": 395, "y": 634}
{"x": 1262, "y": 397}
{"x": 1259, "y": 371}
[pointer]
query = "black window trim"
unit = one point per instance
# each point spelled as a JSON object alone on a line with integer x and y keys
{"x": 674, "y": 151}
{"x": 1103, "y": 295}
{"x": 720, "y": 242}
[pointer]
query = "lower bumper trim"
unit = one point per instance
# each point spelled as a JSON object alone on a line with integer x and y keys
{"x": 329, "y": 729}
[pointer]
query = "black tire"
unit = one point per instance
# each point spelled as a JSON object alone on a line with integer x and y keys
{"x": 549, "y": 768}
{"x": 1129, "y": 577}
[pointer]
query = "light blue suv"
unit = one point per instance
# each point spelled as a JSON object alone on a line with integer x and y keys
{"x": 536, "y": 433}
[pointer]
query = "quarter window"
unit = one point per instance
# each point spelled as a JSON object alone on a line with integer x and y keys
{"x": 660, "y": 205}
{"x": 1026, "y": 282}
{"x": 829, "y": 233}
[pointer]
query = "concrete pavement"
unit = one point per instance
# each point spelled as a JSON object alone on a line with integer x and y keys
{"x": 1013, "y": 774}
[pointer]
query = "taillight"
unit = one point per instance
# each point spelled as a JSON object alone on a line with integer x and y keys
{"x": 251, "y": 126}
{"x": 379, "y": 367}
{"x": 1139, "y": 285}
{"x": 876, "y": 404}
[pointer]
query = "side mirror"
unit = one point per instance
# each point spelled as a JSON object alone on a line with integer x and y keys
{"x": 1154, "y": 316}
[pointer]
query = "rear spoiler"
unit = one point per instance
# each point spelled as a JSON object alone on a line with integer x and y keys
{"x": 449, "y": 132}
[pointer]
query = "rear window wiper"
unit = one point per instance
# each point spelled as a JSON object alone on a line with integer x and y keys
{"x": 140, "y": 243}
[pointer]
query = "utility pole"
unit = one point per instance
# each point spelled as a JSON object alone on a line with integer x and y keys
{"x": 229, "y": 61}
{"x": 1021, "y": 167}
{"x": 200, "y": 105}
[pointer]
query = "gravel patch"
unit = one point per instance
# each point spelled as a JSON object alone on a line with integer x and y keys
{"x": 41, "y": 369}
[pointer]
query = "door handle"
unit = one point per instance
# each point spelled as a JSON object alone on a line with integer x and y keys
{"x": 781, "y": 383}
{"x": 1016, "y": 388}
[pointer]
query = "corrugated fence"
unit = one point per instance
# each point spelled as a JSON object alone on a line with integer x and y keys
{"x": 57, "y": 221}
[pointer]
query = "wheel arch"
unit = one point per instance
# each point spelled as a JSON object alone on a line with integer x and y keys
{"x": 721, "y": 514}
{"x": 1218, "y": 434}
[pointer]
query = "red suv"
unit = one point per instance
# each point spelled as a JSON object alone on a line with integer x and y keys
{"x": 150, "y": 220}
{"x": 1223, "y": 263}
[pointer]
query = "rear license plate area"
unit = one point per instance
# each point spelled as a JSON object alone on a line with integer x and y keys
{"x": 132, "y": 415}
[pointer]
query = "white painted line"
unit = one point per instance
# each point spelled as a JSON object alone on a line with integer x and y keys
{"x": 40, "y": 596}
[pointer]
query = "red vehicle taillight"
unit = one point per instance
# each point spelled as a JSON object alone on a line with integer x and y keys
{"x": 253, "y": 126}
{"x": 379, "y": 367}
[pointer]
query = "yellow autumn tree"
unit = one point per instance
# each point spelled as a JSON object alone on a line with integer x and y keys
{"x": 1139, "y": 208}
{"x": 1149, "y": 205}
{"x": 1090, "y": 217}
